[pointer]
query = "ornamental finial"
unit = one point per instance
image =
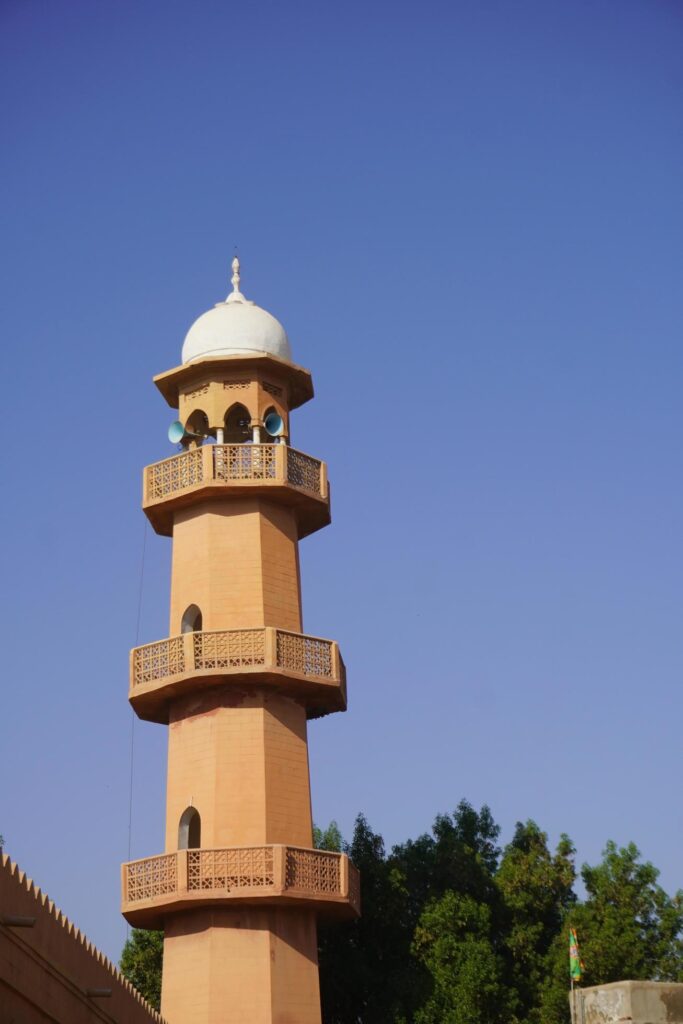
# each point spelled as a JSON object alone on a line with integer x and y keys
{"x": 235, "y": 295}
{"x": 235, "y": 274}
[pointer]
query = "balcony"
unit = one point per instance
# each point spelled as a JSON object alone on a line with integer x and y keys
{"x": 256, "y": 875}
{"x": 275, "y": 471}
{"x": 305, "y": 667}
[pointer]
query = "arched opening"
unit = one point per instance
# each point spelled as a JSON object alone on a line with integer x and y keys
{"x": 273, "y": 426}
{"x": 237, "y": 425}
{"x": 197, "y": 424}
{"x": 191, "y": 621}
{"x": 190, "y": 830}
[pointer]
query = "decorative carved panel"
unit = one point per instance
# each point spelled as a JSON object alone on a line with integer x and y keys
{"x": 159, "y": 660}
{"x": 174, "y": 474}
{"x": 312, "y": 871}
{"x": 202, "y": 389}
{"x": 233, "y": 648}
{"x": 304, "y": 654}
{"x": 303, "y": 471}
{"x": 156, "y": 876}
{"x": 239, "y": 868}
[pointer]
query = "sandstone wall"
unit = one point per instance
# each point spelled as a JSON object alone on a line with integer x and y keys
{"x": 50, "y": 972}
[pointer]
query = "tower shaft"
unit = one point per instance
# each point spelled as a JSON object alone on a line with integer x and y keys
{"x": 240, "y": 758}
{"x": 247, "y": 966}
{"x": 237, "y": 560}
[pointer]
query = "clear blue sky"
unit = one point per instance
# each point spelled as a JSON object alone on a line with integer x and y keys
{"x": 468, "y": 216}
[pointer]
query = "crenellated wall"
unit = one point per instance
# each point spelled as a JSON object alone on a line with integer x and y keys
{"x": 51, "y": 972}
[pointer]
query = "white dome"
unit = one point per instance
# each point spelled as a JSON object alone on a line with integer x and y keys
{"x": 235, "y": 327}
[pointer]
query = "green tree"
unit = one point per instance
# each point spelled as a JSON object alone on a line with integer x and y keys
{"x": 141, "y": 962}
{"x": 368, "y": 969}
{"x": 536, "y": 889}
{"x": 454, "y": 941}
{"x": 367, "y": 973}
{"x": 628, "y": 926}
{"x": 329, "y": 839}
{"x": 461, "y": 856}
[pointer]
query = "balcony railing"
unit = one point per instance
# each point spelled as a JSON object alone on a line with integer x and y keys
{"x": 234, "y": 463}
{"x": 234, "y": 649}
{"x": 240, "y": 873}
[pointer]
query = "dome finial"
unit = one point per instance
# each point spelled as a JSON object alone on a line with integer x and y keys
{"x": 235, "y": 295}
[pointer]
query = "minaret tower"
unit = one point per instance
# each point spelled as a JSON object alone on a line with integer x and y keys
{"x": 239, "y": 886}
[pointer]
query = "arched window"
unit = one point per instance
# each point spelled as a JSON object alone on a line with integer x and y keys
{"x": 191, "y": 621}
{"x": 198, "y": 423}
{"x": 237, "y": 425}
{"x": 190, "y": 830}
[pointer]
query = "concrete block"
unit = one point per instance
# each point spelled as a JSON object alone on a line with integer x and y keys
{"x": 635, "y": 1002}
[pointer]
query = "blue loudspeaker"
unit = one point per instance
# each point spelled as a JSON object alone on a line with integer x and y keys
{"x": 274, "y": 424}
{"x": 178, "y": 434}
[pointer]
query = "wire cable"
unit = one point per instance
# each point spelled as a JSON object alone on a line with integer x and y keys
{"x": 132, "y": 712}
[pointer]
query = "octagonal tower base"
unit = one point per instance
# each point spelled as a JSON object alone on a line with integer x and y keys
{"x": 241, "y": 966}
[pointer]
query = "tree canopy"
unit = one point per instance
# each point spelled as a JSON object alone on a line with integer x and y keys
{"x": 141, "y": 962}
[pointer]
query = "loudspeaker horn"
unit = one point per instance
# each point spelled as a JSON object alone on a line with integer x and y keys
{"x": 274, "y": 424}
{"x": 177, "y": 434}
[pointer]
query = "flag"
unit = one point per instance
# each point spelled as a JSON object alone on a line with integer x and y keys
{"x": 576, "y": 967}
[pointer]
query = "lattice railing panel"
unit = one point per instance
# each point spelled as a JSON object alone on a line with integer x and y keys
{"x": 159, "y": 660}
{"x": 304, "y": 472}
{"x": 304, "y": 654}
{"x": 313, "y": 871}
{"x": 232, "y": 462}
{"x": 174, "y": 474}
{"x": 233, "y": 648}
{"x": 147, "y": 879}
{"x": 244, "y": 461}
{"x": 241, "y": 868}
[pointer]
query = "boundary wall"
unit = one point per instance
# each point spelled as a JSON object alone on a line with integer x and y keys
{"x": 50, "y": 972}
